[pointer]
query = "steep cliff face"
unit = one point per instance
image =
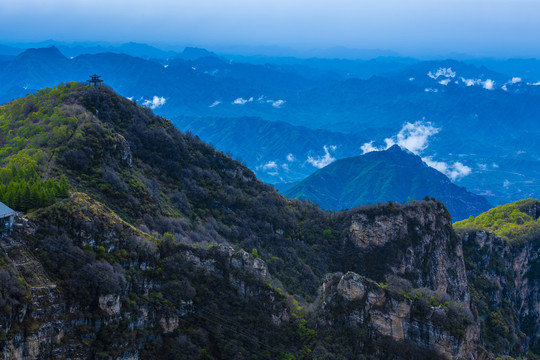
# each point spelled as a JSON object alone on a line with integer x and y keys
{"x": 423, "y": 330}
{"x": 504, "y": 278}
{"x": 415, "y": 242}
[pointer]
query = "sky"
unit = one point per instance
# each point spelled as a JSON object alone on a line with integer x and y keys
{"x": 500, "y": 28}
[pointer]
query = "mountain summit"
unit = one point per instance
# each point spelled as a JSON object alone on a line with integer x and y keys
{"x": 391, "y": 175}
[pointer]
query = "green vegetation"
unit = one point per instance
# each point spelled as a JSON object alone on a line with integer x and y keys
{"x": 23, "y": 189}
{"x": 515, "y": 221}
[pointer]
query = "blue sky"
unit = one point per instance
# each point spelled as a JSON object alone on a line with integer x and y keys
{"x": 476, "y": 27}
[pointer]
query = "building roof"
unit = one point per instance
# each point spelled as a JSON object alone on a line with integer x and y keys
{"x": 5, "y": 210}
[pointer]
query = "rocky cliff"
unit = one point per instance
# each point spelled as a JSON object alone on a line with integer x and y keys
{"x": 504, "y": 278}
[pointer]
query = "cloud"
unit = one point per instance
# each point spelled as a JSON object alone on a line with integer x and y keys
{"x": 445, "y": 72}
{"x": 242, "y": 101}
{"x": 444, "y": 82}
{"x": 506, "y": 183}
{"x": 482, "y": 166}
{"x": 156, "y": 102}
{"x": 290, "y": 157}
{"x": 470, "y": 82}
{"x": 285, "y": 167}
{"x": 488, "y": 84}
{"x": 277, "y": 104}
{"x": 271, "y": 165}
{"x": 322, "y": 161}
{"x": 495, "y": 166}
{"x": 412, "y": 136}
{"x": 515, "y": 80}
{"x": 453, "y": 171}
{"x": 535, "y": 84}
{"x": 415, "y": 137}
{"x": 368, "y": 147}
{"x": 215, "y": 103}
{"x": 431, "y": 90}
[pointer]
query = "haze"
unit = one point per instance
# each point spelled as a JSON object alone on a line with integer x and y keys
{"x": 501, "y": 28}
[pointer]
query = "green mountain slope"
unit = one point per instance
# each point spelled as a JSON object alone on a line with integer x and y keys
{"x": 515, "y": 221}
{"x": 391, "y": 175}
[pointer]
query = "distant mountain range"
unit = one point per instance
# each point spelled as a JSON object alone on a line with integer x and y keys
{"x": 276, "y": 151}
{"x": 487, "y": 120}
{"x": 380, "y": 176}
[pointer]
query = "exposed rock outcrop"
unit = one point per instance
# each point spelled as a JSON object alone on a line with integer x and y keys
{"x": 415, "y": 242}
{"x": 357, "y": 301}
{"x": 504, "y": 278}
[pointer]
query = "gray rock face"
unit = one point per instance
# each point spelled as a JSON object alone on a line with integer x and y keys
{"x": 506, "y": 275}
{"x": 414, "y": 242}
{"x": 358, "y": 301}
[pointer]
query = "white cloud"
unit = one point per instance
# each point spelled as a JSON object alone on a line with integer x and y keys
{"x": 471, "y": 82}
{"x": 506, "y": 184}
{"x": 453, "y": 171}
{"x": 242, "y": 101}
{"x": 431, "y": 90}
{"x": 368, "y": 147}
{"x": 166, "y": 66}
{"x": 482, "y": 167}
{"x": 413, "y": 137}
{"x": 322, "y": 161}
{"x": 271, "y": 165}
{"x": 515, "y": 80}
{"x": 445, "y": 72}
{"x": 535, "y": 84}
{"x": 411, "y": 79}
{"x": 504, "y": 87}
{"x": 156, "y": 102}
{"x": 277, "y": 104}
{"x": 444, "y": 82}
{"x": 488, "y": 84}
{"x": 215, "y": 103}
{"x": 495, "y": 166}
{"x": 285, "y": 167}
{"x": 290, "y": 157}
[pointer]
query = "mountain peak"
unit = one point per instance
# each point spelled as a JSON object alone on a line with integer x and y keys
{"x": 395, "y": 148}
{"x": 49, "y": 54}
{"x": 392, "y": 175}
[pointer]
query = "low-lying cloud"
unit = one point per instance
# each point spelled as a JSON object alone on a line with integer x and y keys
{"x": 444, "y": 72}
{"x": 242, "y": 101}
{"x": 322, "y": 161}
{"x": 454, "y": 171}
{"x": 156, "y": 102}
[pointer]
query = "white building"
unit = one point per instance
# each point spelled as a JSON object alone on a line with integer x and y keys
{"x": 7, "y": 218}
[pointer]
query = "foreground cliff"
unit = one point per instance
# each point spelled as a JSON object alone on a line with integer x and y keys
{"x": 166, "y": 248}
{"x": 503, "y": 268}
